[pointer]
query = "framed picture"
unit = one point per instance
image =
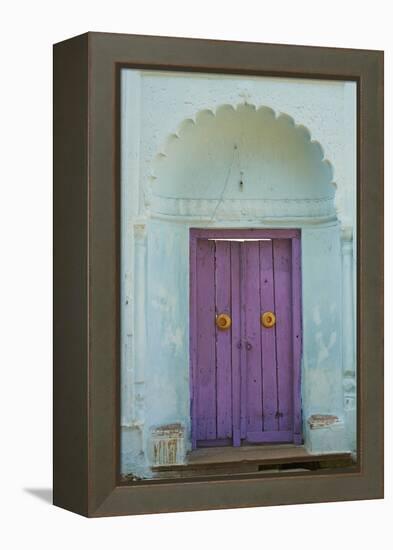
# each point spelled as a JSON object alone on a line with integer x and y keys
{"x": 218, "y": 274}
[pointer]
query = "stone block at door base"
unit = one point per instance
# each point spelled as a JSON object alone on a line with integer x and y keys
{"x": 325, "y": 433}
{"x": 167, "y": 445}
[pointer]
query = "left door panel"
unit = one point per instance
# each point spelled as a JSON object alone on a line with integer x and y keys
{"x": 213, "y": 389}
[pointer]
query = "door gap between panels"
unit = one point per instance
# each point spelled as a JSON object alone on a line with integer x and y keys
{"x": 239, "y": 240}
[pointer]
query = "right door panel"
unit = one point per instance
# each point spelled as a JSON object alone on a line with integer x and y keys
{"x": 267, "y": 368}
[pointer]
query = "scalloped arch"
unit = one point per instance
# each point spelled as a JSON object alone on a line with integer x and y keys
{"x": 241, "y": 153}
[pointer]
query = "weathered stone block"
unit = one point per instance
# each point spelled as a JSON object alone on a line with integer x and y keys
{"x": 325, "y": 433}
{"x": 167, "y": 445}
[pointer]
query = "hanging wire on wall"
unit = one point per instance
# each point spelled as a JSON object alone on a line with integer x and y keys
{"x": 220, "y": 199}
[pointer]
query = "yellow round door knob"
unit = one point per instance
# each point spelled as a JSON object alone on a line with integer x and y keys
{"x": 223, "y": 321}
{"x": 268, "y": 319}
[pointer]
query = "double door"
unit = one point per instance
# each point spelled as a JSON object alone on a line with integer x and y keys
{"x": 245, "y": 337}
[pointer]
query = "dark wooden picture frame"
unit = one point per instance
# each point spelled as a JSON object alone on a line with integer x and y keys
{"x": 86, "y": 273}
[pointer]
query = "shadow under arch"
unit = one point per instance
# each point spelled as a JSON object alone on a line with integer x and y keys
{"x": 242, "y": 162}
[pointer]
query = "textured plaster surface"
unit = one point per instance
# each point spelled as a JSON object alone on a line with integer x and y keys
{"x": 220, "y": 151}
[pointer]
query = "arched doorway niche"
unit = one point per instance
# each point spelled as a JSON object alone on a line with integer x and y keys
{"x": 245, "y": 167}
{"x": 238, "y": 163}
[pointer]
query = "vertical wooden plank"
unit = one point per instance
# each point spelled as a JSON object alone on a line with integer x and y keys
{"x": 283, "y": 299}
{"x": 268, "y": 339}
{"x": 253, "y": 338}
{"x": 206, "y": 342}
{"x": 223, "y": 341}
{"x": 236, "y": 341}
{"x": 193, "y": 337}
{"x": 297, "y": 340}
{"x": 243, "y": 336}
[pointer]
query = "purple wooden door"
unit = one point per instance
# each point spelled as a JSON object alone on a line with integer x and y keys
{"x": 245, "y": 377}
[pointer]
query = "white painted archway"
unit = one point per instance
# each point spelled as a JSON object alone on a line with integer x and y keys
{"x": 242, "y": 162}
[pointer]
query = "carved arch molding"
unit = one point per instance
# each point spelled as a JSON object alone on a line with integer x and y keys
{"x": 241, "y": 163}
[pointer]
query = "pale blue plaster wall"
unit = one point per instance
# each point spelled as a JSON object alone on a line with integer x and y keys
{"x": 322, "y": 321}
{"x": 199, "y": 162}
{"x": 167, "y": 319}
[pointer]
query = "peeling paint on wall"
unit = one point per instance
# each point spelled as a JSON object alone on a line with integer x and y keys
{"x": 188, "y": 142}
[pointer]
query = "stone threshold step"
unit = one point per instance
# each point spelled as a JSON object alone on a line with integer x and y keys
{"x": 257, "y": 455}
